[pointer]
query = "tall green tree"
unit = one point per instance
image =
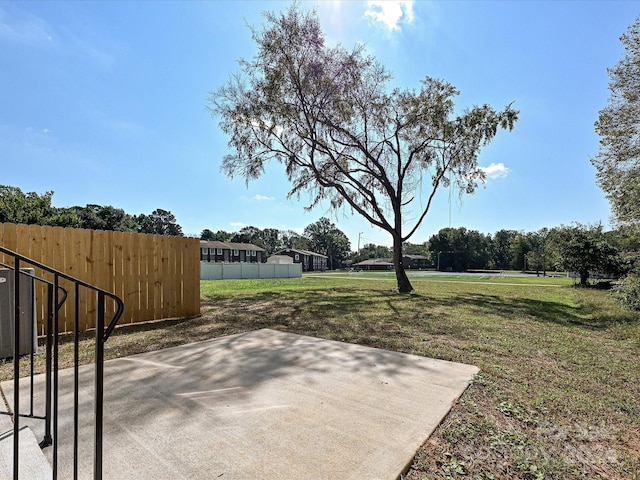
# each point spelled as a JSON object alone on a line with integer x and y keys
{"x": 520, "y": 248}
{"x": 459, "y": 249}
{"x": 328, "y": 115}
{"x": 585, "y": 250}
{"x": 618, "y": 124}
{"x": 99, "y": 217}
{"x": 292, "y": 239}
{"x": 29, "y": 208}
{"x": 267, "y": 238}
{"x": 327, "y": 239}
{"x": 159, "y": 222}
{"x": 207, "y": 235}
{"x": 248, "y": 234}
{"x": 221, "y": 236}
{"x": 537, "y": 256}
{"x": 270, "y": 240}
{"x": 626, "y": 238}
{"x": 501, "y": 245}
{"x": 415, "y": 248}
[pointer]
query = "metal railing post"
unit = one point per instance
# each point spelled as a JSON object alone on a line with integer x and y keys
{"x": 56, "y": 339}
{"x": 47, "y": 440}
{"x": 16, "y": 367}
{"x": 99, "y": 388}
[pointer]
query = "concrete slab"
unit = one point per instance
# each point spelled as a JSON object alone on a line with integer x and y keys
{"x": 264, "y": 405}
{"x": 32, "y": 464}
{"x": 5, "y": 420}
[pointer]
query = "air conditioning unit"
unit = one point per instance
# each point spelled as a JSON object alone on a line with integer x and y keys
{"x": 28, "y": 329}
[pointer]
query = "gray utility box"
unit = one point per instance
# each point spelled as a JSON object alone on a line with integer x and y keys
{"x": 28, "y": 333}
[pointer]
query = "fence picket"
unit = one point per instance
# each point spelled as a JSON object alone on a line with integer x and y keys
{"x": 156, "y": 276}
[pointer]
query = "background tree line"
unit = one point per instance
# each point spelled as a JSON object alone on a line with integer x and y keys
{"x": 583, "y": 249}
{"x": 33, "y": 208}
{"x": 578, "y": 248}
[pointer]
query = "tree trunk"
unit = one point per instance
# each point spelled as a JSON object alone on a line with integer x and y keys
{"x": 584, "y": 278}
{"x": 404, "y": 285}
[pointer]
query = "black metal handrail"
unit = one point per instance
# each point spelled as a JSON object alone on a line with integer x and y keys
{"x": 54, "y": 302}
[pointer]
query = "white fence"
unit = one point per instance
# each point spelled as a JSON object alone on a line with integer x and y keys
{"x": 219, "y": 271}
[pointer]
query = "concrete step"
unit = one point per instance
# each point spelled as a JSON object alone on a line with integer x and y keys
{"x": 32, "y": 464}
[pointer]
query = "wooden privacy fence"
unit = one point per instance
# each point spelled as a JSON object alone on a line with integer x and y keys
{"x": 157, "y": 276}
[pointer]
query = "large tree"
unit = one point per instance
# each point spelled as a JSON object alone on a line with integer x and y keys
{"x": 618, "y": 159}
{"x": 291, "y": 239}
{"x": 267, "y": 238}
{"x": 99, "y": 217}
{"x": 459, "y": 249}
{"x": 30, "y": 208}
{"x": 159, "y": 222}
{"x": 501, "y": 248}
{"x": 586, "y": 250}
{"x": 328, "y": 115}
{"x": 327, "y": 239}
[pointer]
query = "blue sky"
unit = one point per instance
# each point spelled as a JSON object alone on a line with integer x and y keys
{"x": 104, "y": 102}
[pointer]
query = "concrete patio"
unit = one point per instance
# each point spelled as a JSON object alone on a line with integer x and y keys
{"x": 260, "y": 405}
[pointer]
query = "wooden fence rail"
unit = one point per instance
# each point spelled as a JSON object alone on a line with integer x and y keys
{"x": 156, "y": 276}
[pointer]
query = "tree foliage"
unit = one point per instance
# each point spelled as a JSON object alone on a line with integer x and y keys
{"x": 29, "y": 208}
{"x": 292, "y": 239}
{"x": 371, "y": 250}
{"x": 327, "y": 239}
{"x": 627, "y": 291}
{"x": 459, "y": 249}
{"x": 328, "y": 115}
{"x": 220, "y": 235}
{"x": 268, "y": 238}
{"x": 33, "y": 208}
{"x": 500, "y": 247}
{"x": 618, "y": 125}
{"x": 415, "y": 248}
{"x": 99, "y": 217}
{"x": 159, "y": 222}
{"x": 585, "y": 250}
{"x": 207, "y": 234}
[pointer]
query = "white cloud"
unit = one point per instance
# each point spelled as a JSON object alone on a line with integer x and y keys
{"x": 30, "y": 30}
{"x": 495, "y": 170}
{"x": 23, "y": 28}
{"x": 390, "y": 13}
{"x": 262, "y": 198}
{"x": 237, "y": 224}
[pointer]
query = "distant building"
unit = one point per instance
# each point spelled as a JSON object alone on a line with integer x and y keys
{"x": 414, "y": 262}
{"x": 231, "y": 252}
{"x": 311, "y": 261}
{"x": 374, "y": 264}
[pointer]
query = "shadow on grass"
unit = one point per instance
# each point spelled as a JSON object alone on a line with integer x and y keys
{"x": 369, "y": 316}
{"x": 370, "y": 303}
{"x": 587, "y": 314}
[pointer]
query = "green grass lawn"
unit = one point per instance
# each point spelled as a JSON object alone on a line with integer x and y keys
{"x": 558, "y": 396}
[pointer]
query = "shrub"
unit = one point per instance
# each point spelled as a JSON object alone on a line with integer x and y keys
{"x": 627, "y": 291}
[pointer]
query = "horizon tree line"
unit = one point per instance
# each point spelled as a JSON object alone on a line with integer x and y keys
{"x": 579, "y": 248}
